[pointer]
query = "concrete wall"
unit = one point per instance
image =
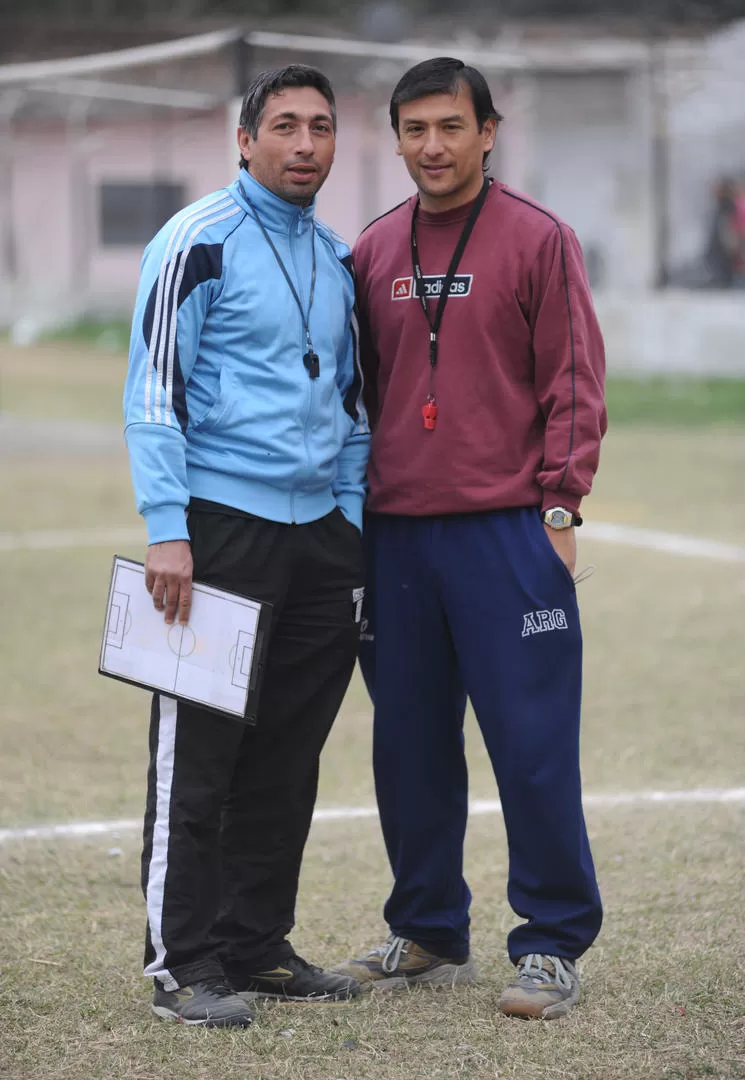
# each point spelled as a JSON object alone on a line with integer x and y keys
{"x": 589, "y": 162}
{"x": 676, "y": 332}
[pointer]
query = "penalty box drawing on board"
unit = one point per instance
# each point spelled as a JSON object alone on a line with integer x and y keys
{"x": 214, "y": 661}
{"x": 116, "y": 626}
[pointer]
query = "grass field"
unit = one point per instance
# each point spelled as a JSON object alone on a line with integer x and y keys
{"x": 664, "y": 709}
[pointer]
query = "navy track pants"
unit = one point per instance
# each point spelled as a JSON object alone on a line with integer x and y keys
{"x": 478, "y": 605}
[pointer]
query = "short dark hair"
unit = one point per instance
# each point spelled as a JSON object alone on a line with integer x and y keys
{"x": 444, "y": 75}
{"x": 275, "y": 81}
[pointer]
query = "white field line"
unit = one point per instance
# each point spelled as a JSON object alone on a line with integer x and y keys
{"x": 67, "y": 830}
{"x": 605, "y": 532}
{"x": 669, "y": 543}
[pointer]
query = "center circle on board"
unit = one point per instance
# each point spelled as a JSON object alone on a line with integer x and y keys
{"x": 181, "y": 640}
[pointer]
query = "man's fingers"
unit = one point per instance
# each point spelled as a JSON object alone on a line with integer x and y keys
{"x": 157, "y": 590}
{"x": 184, "y": 602}
{"x": 168, "y": 568}
{"x": 172, "y": 598}
{"x": 172, "y": 594}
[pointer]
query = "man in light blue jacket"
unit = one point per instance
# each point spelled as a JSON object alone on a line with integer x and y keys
{"x": 248, "y": 443}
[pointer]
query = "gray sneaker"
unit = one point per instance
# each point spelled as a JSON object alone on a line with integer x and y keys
{"x": 209, "y": 1003}
{"x": 545, "y": 988}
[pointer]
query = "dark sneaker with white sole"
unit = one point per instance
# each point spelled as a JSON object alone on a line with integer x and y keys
{"x": 296, "y": 980}
{"x": 400, "y": 963}
{"x": 207, "y": 1003}
{"x": 545, "y": 988}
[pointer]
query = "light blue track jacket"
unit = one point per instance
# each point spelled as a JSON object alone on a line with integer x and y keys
{"x": 218, "y": 403}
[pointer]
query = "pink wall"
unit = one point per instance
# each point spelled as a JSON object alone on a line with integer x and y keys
{"x": 41, "y": 223}
{"x": 56, "y": 171}
{"x": 190, "y": 151}
{"x": 367, "y": 178}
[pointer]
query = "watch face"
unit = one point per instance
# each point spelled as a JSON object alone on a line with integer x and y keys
{"x": 559, "y": 519}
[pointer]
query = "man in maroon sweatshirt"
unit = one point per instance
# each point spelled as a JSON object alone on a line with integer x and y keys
{"x": 484, "y": 368}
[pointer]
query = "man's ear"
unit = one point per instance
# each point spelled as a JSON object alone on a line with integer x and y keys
{"x": 399, "y": 151}
{"x": 489, "y": 132}
{"x": 244, "y": 144}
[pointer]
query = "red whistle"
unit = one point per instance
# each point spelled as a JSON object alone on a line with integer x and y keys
{"x": 429, "y": 414}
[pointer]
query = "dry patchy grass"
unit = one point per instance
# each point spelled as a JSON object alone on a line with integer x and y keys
{"x": 664, "y": 987}
{"x": 62, "y": 380}
{"x": 664, "y": 705}
{"x": 644, "y": 477}
{"x": 664, "y": 699}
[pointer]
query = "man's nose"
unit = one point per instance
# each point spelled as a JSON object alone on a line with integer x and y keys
{"x": 433, "y": 143}
{"x": 304, "y": 142}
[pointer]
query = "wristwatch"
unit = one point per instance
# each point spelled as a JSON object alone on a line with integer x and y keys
{"x": 556, "y": 517}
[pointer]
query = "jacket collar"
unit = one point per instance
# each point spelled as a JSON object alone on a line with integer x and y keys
{"x": 275, "y": 213}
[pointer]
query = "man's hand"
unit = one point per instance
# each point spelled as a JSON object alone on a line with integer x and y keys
{"x": 168, "y": 571}
{"x": 564, "y": 543}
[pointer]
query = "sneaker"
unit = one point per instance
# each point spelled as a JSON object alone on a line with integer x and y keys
{"x": 400, "y": 963}
{"x": 297, "y": 980}
{"x": 209, "y": 1003}
{"x": 545, "y": 988}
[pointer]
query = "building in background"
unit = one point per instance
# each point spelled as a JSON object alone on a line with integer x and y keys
{"x": 626, "y": 137}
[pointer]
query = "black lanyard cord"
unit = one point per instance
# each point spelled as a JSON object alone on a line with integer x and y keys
{"x": 310, "y": 359}
{"x": 434, "y": 323}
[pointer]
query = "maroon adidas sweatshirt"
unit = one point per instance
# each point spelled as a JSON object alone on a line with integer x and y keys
{"x": 519, "y": 379}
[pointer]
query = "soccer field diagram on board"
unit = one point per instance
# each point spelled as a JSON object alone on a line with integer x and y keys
{"x": 210, "y": 661}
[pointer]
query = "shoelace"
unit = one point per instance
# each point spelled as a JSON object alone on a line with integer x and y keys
{"x": 390, "y": 952}
{"x": 218, "y": 986}
{"x": 299, "y": 962}
{"x": 532, "y": 968}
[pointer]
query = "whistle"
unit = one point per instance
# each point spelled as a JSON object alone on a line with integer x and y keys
{"x": 429, "y": 415}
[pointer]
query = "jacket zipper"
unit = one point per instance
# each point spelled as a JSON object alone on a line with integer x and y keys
{"x": 299, "y": 280}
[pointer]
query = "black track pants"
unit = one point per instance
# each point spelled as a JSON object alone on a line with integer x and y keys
{"x": 228, "y": 806}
